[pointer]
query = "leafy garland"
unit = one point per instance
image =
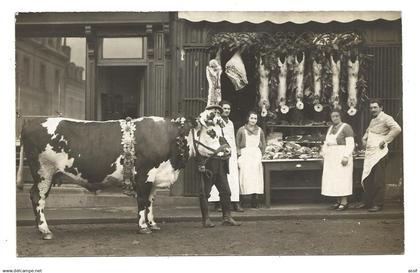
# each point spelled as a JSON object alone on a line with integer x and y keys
{"x": 128, "y": 156}
{"x": 315, "y": 46}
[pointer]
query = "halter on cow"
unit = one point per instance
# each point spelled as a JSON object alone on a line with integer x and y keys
{"x": 91, "y": 154}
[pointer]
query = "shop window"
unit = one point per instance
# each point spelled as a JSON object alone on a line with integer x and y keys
{"x": 123, "y": 48}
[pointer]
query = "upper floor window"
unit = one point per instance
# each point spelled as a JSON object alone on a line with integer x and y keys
{"x": 123, "y": 48}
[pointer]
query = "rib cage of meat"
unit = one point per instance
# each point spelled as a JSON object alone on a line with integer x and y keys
{"x": 235, "y": 70}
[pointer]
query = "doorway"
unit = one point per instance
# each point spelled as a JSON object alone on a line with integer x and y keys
{"x": 121, "y": 92}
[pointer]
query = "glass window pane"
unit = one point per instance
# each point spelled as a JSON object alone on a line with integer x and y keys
{"x": 122, "y": 48}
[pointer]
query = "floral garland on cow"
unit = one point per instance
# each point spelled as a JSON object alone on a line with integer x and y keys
{"x": 128, "y": 142}
{"x": 313, "y": 62}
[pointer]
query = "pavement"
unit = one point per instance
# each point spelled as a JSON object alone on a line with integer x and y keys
{"x": 75, "y": 206}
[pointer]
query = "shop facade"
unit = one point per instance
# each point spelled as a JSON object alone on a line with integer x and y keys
{"x": 154, "y": 63}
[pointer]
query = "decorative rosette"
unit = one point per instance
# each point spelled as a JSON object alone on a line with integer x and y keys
{"x": 128, "y": 156}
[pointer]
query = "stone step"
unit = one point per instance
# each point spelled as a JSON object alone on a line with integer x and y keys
{"x": 70, "y": 196}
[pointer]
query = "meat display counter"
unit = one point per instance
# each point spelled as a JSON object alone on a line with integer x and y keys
{"x": 290, "y": 175}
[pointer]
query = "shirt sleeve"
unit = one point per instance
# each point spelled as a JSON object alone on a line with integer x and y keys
{"x": 347, "y": 131}
{"x": 394, "y": 129}
{"x": 348, "y": 151}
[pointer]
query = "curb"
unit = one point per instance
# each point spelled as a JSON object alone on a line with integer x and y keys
{"x": 244, "y": 218}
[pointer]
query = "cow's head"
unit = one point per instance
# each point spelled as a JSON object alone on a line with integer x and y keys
{"x": 205, "y": 135}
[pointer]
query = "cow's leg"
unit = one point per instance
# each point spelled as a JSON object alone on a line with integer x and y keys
{"x": 143, "y": 191}
{"x": 39, "y": 193}
{"x": 150, "y": 217}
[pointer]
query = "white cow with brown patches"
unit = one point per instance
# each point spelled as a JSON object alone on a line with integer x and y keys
{"x": 91, "y": 153}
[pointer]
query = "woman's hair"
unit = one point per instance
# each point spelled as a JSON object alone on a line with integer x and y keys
{"x": 336, "y": 110}
{"x": 252, "y": 112}
{"x": 225, "y": 102}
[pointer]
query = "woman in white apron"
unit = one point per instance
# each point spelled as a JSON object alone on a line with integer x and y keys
{"x": 250, "y": 140}
{"x": 337, "y": 175}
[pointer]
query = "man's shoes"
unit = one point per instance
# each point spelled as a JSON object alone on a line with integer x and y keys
{"x": 360, "y": 205}
{"x": 237, "y": 207}
{"x": 375, "y": 208}
{"x": 230, "y": 222}
{"x": 208, "y": 223}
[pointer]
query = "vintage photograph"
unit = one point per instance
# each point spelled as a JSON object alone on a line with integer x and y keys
{"x": 209, "y": 133}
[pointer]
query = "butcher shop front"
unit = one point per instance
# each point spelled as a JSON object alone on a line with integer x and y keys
{"x": 294, "y": 68}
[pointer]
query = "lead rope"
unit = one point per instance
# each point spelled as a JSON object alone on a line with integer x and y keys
{"x": 128, "y": 156}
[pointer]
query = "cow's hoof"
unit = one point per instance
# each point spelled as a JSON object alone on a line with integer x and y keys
{"x": 47, "y": 236}
{"x": 145, "y": 230}
{"x": 154, "y": 227}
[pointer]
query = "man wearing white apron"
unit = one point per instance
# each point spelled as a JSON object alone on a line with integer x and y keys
{"x": 381, "y": 131}
{"x": 233, "y": 177}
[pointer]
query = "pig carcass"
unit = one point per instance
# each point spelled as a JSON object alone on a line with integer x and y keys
{"x": 335, "y": 68}
{"x": 353, "y": 71}
{"x": 235, "y": 70}
{"x": 282, "y": 87}
{"x": 300, "y": 66}
{"x": 213, "y": 72}
{"x": 317, "y": 70}
{"x": 263, "y": 88}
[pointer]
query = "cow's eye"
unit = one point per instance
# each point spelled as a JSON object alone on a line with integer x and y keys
{"x": 211, "y": 133}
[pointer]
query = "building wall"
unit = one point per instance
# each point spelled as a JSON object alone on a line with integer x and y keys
{"x": 47, "y": 83}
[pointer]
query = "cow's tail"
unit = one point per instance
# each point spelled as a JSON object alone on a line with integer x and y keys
{"x": 19, "y": 175}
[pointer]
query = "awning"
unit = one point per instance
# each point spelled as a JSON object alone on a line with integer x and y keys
{"x": 280, "y": 17}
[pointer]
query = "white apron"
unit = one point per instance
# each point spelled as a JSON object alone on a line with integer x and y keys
{"x": 373, "y": 153}
{"x": 250, "y": 167}
{"x": 337, "y": 180}
{"x": 233, "y": 175}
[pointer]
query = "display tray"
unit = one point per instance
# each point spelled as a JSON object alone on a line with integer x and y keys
{"x": 301, "y": 159}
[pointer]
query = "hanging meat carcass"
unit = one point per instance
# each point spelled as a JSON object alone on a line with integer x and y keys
{"x": 335, "y": 68}
{"x": 213, "y": 72}
{"x": 235, "y": 70}
{"x": 300, "y": 66}
{"x": 263, "y": 89}
{"x": 353, "y": 71}
{"x": 282, "y": 87}
{"x": 317, "y": 70}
